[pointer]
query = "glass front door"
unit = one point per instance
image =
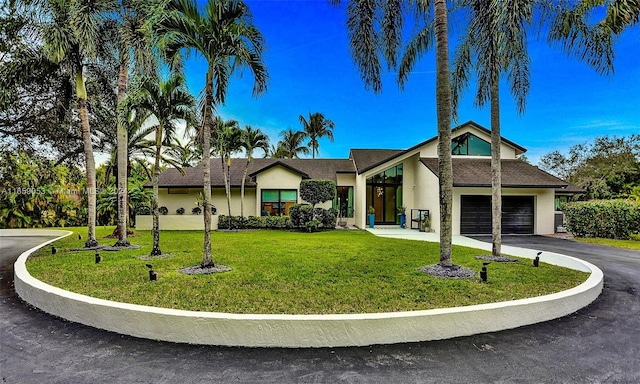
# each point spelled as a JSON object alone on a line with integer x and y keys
{"x": 384, "y": 194}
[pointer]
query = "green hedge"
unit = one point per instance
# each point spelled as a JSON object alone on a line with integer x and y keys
{"x": 304, "y": 216}
{"x": 254, "y": 222}
{"x": 610, "y": 219}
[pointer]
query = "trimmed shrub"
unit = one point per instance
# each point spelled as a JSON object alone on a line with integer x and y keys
{"x": 163, "y": 210}
{"x": 610, "y": 219}
{"x": 300, "y": 214}
{"x": 180, "y": 211}
{"x": 253, "y": 222}
{"x": 196, "y": 210}
{"x": 317, "y": 191}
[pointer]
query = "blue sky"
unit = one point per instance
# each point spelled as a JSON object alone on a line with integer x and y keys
{"x": 311, "y": 70}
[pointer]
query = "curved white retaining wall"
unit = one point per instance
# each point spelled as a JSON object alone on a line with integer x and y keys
{"x": 305, "y": 330}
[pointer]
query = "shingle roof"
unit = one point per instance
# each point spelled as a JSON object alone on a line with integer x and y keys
{"x": 365, "y": 159}
{"x": 307, "y": 168}
{"x": 570, "y": 189}
{"x": 474, "y": 172}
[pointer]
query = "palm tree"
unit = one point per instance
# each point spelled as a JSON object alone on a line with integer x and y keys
{"x": 252, "y": 139}
{"x": 72, "y": 37}
{"x": 369, "y": 40}
{"x": 133, "y": 46}
{"x": 317, "y": 127}
{"x": 292, "y": 143}
{"x": 226, "y": 141}
{"x": 171, "y": 104}
{"x": 224, "y": 34}
{"x": 496, "y": 40}
{"x": 276, "y": 151}
{"x": 183, "y": 154}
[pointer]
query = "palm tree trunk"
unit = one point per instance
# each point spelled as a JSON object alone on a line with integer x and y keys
{"x": 207, "y": 260}
{"x": 81, "y": 94}
{"x": 122, "y": 140}
{"x": 443, "y": 106}
{"x": 155, "y": 251}
{"x": 244, "y": 176}
{"x": 496, "y": 177}
{"x": 227, "y": 182}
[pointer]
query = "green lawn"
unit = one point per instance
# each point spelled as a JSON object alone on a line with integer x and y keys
{"x": 633, "y": 243}
{"x": 290, "y": 272}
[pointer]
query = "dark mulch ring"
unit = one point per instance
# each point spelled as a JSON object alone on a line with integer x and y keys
{"x": 198, "y": 270}
{"x": 497, "y": 259}
{"x": 455, "y": 271}
{"x": 154, "y": 257}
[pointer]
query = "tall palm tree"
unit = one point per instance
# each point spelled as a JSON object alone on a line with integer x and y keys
{"x": 183, "y": 154}
{"x": 72, "y": 37}
{"x": 292, "y": 143}
{"x": 226, "y": 140}
{"x": 252, "y": 139}
{"x": 134, "y": 46}
{"x": 224, "y": 34}
{"x": 375, "y": 29}
{"x": 495, "y": 42}
{"x": 316, "y": 128}
{"x": 171, "y": 104}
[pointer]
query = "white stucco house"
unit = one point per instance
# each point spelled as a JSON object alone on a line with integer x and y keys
{"x": 385, "y": 179}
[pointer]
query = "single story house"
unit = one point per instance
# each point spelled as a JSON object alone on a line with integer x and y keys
{"x": 384, "y": 179}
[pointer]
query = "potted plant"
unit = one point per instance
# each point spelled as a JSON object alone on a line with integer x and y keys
{"x": 402, "y": 212}
{"x": 196, "y": 210}
{"x": 163, "y": 210}
{"x": 372, "y": 215}
{"x": 425, "y": 224}
{"x": 180, "y": 211}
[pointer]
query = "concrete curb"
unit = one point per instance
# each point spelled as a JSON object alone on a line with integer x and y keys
{"x": 293, "y": 331}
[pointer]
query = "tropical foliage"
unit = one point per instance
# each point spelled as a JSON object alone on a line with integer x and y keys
{"x": 607, "y": 168}
{"x": 35, "y": 192}
{"x": 316, "y": 128}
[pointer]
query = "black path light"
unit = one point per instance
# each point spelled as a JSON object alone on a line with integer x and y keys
{"x": 536, "y": 261}
{"x": 152, "y": 274}
{"x": 79, "y": 236}
{"x": 98, "y": 258}
{"x": 53, "y": 249}
{"x": 483, "y": 271}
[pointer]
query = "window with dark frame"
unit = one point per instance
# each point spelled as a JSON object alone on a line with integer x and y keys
{"x": 277, "y": 202}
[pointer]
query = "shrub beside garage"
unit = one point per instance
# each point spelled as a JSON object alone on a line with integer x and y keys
{"x": 609, "y": 219}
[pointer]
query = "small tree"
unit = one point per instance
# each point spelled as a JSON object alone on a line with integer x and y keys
{"x": 317, "y": 191}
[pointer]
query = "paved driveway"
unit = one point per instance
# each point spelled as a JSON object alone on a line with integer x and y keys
{"x": 598, "y": 344}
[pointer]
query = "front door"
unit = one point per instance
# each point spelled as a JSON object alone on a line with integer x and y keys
{"x": 384, "y": 194}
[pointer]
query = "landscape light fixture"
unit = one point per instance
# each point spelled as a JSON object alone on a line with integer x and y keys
{"x": 98, "y": 258}
{"x": 536, "y": 261}
{"x": 79, "y": 236}
{"x": 152, "y": 275}
{"x": 483, "y": 271}
{"x": 53, "y": 249}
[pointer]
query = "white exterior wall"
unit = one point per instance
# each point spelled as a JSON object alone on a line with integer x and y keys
{"x": 427, "y": 194}
{"x": 277, "y": 177}
{"x": 543, "y": 205}
{"x": 218, "y": 199}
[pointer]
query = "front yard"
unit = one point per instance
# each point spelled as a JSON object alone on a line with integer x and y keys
{"x": 285, "y": 272}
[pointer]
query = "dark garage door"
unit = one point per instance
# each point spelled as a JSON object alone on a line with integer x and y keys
{"x": 475, "y": 216}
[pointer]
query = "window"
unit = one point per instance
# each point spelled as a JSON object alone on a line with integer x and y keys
{"x": 470, "y": 145}
{"x": 276, "y": 202}
{"x": 343, "y": 203}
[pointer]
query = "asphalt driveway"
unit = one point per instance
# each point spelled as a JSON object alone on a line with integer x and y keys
{"x": 598, "y": 344}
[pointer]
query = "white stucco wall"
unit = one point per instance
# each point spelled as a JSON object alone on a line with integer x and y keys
{"x": 218, "y": 199}
{"x": 427, "y": 194}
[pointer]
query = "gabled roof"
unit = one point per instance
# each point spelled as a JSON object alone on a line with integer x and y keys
{"x": 366, "y": 159}
{"x": 477, "y": 173}
{"x": 307, "y": 168}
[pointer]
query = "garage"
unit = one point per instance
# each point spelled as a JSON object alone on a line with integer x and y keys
{"x": 475, "y": 215}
